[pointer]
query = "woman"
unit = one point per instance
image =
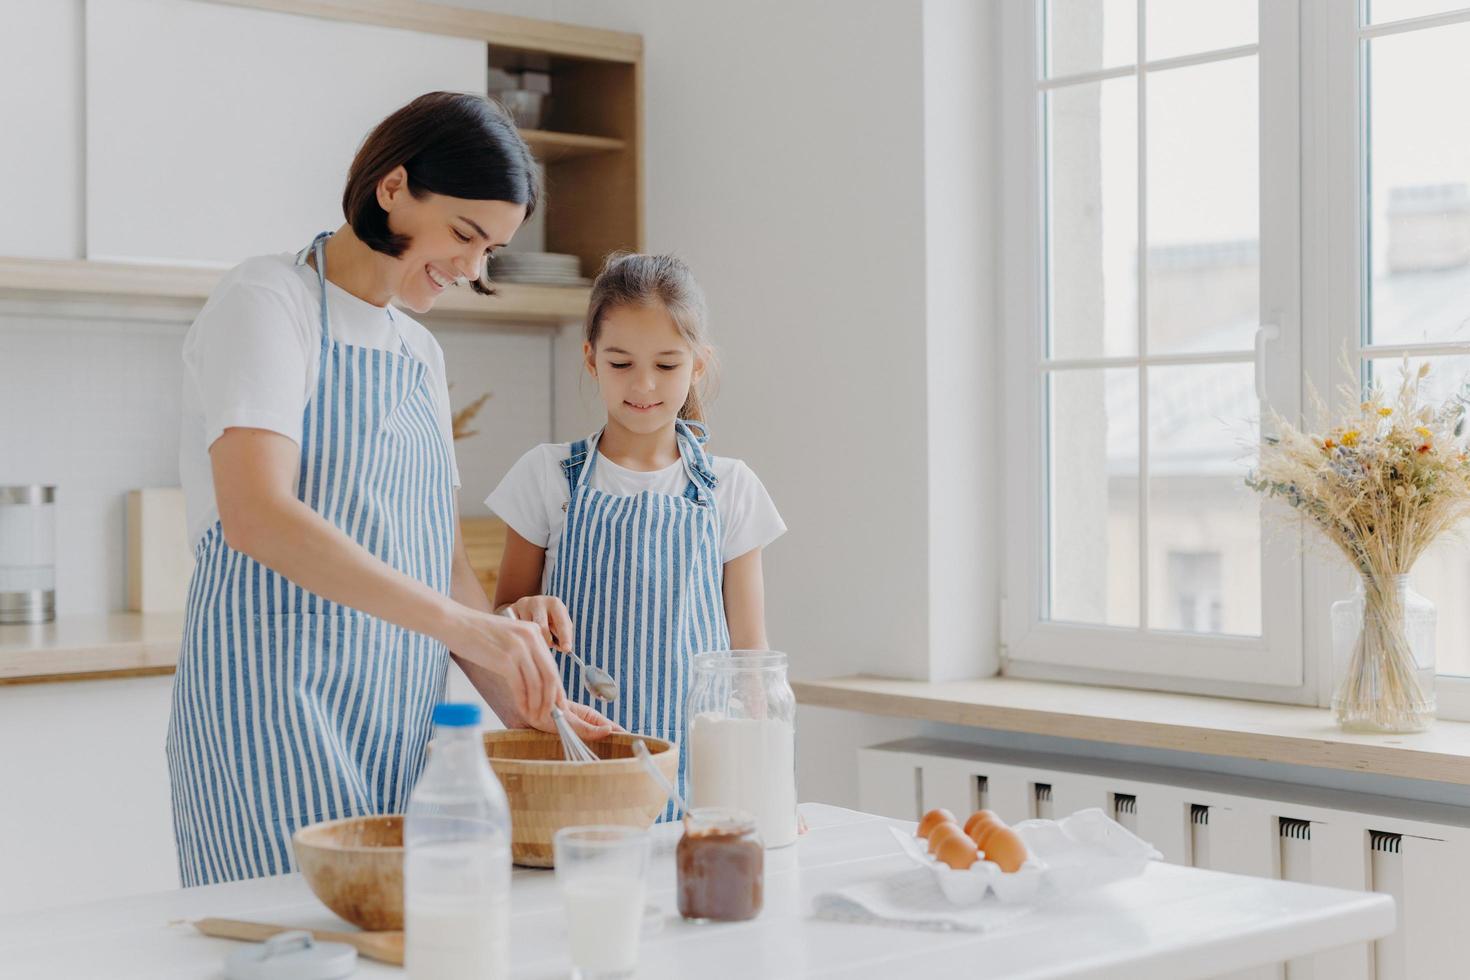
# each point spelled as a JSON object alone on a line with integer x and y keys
{"x": 318, "y": 465}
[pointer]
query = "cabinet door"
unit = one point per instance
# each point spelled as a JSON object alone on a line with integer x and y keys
{"x": 41, "y": 117}
{"x": 217, "y": 132}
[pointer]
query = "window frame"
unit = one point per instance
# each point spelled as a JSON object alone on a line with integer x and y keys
{"x": 1341, "y": 199}
{"x": 1271, "y": 666}
{"x": 1329, "y": 249}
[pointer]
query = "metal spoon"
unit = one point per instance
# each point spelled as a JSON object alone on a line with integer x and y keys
{"x": 595, "y": 681}
{"x": 644, "y": 756}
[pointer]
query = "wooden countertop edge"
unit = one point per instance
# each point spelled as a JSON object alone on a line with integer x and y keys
{"x": 1387, "y": 755}
{"x": 90, "y": 648}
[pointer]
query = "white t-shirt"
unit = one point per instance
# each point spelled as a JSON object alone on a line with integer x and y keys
{"x": 531, "y": 497}
{"x": 252, "y": 356}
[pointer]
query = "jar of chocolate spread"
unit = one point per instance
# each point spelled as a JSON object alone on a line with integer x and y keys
{"x": 721, "y": 863}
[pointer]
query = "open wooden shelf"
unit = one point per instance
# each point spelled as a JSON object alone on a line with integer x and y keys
{"x": 514, "y": 302}
{"x": 552, "y": 147}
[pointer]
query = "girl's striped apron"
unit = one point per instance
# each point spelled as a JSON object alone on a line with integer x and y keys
{"x": 642, "y": 578}
{"x": 288, "y": 708}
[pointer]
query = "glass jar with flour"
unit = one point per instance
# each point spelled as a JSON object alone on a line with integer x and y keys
{"x": 742, "y": 739}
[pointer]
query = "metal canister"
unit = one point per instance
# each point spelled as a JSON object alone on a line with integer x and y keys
{"x": 27, "y": 554}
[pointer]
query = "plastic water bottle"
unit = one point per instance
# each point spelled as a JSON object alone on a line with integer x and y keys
{"x": 456, "y": 875}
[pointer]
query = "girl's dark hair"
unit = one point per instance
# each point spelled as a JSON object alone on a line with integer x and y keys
{"x": 449, "y": 143}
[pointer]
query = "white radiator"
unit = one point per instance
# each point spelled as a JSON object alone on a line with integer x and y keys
{"x": 1417, "y": 852}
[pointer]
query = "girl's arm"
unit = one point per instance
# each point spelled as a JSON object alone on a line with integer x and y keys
{"x": 519, "y": 586}
{"x": 255, "y": 474}
{"x": 745, "y": 601}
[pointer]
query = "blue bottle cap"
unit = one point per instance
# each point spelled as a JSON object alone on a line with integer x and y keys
{"x": 453, "y": 715}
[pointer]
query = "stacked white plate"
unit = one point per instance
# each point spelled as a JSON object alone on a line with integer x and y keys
{"x": 538, "y": 268}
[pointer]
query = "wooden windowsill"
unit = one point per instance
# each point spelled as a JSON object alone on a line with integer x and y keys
{"x": 1279, "y": 733}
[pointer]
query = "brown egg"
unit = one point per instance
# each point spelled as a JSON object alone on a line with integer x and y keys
{"x": 983, "y": 831}
{"x": 958, "y": 851}
{"x": 1004, "y": 846}
{"x": 933, "y": 819}
{"x": 942, "y": 833}
{"x": 982, "y": 818}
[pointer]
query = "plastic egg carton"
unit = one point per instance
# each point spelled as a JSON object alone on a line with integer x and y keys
{"x": 1085, "y": 850}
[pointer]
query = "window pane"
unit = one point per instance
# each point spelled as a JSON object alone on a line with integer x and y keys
{"x": 1092, "y": 521}
{"x": 1181, "y": 27}
{"x": 1204, "y": 522}
{"x": 1087, "y": 35}
{"x": 1383, "y": 11}
{"x": 1442, "y": 573}
{"x": 1092, "y": 210}
{"x": 1203, "y": 207}
{"x": 1419, "y": 188}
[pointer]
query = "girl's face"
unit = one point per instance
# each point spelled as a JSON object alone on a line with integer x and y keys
{"x": 643, "y": 367}
{"x": 451, "y": 238}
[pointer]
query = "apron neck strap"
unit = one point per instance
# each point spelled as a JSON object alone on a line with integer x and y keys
{"x": 689, "y": 438}
{"x": 317, "y": 250}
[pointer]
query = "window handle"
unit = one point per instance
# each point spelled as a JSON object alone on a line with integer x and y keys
{"x": 1265, "y": 332}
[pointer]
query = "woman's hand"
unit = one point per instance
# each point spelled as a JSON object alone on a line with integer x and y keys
{"x": 516, "y": 654}
{"x": 550, "y": 614}
{"x": 589, "y": 724}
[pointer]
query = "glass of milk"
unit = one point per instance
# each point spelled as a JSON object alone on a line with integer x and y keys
{"x": 600, "y": 873}
{"x": 742, "y": 739}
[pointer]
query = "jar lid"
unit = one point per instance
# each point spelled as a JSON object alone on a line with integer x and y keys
{"x": 33, "y": 493}
{"x": 291, "y": 956}
{"x": 722, "y": 819}
{"x": 738, "y": 660}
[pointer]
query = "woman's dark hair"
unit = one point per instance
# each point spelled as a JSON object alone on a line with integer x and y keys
{"x": 449, "y": 143}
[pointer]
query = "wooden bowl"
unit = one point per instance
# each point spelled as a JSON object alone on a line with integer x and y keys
{"x": 547, "y": 794}
{"x": 355, "y": 866}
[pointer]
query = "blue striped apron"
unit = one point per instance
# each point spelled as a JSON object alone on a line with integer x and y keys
{"x": 642, "y": 578}
{"x": 289, "y": 708}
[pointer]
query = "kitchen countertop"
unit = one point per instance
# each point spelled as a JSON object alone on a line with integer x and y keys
{"x": 1172, "y": 923}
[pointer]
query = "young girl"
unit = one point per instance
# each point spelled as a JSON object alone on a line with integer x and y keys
{"x": 634, "y": 548}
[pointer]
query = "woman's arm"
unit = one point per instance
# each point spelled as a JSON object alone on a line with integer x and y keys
{"x": 255, "y": 473}
{"x": 745, "y": 601}
{"x": 465, "y": 588}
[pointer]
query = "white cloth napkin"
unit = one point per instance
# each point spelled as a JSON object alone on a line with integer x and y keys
{"x": 911, "y": 900}
{"x": 1083, "y": 851}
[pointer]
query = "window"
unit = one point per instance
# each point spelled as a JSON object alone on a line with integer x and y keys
{"x": 1211, "y": 204}
{"x": 1161, "y": 176}
{"x": 1414, "y": 243}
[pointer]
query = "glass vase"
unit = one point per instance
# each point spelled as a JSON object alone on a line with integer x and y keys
{"x": 1383, "y": 657}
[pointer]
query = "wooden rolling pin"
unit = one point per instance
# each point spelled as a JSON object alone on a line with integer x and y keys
{"x": 385, "y": 947}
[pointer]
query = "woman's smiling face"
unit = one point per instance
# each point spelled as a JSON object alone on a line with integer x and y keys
{"x": 450, "y": 238}
{"x": 643, "y": 365}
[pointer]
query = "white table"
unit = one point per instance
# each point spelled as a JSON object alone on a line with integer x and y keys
{"x": 1172, "y": 923}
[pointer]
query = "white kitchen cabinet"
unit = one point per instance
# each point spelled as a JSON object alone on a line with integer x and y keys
{"x": 41, "y": 119}
{"x": 216, "y": 132}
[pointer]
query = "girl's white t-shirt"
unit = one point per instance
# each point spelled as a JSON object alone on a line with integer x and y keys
{"x": 532, "y": 496}
{"x": 252, "y": 356}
